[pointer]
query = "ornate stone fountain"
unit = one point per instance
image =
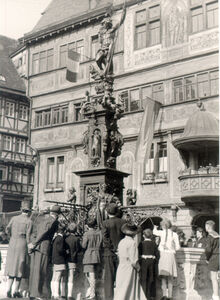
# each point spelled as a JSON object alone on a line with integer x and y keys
{"x": 102, "y": 140}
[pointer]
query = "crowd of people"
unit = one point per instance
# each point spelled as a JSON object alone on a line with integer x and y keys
{"x": 132, "y": 259}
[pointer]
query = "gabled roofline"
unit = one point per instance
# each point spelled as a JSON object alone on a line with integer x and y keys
{"x": 75, "y": 22}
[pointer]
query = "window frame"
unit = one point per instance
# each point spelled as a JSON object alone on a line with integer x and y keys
{"x": 156, "y": 174}
{"x": 39, "y": 60}
{"x": 201, "y": 4}
{"x": 141, "y": 99}
{"x": 147, "y": 23}
{"x": 55, "y": 184}
{"x": 196, "y": 84}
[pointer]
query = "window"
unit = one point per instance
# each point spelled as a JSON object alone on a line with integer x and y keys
{"x": 124, "y": 97}
{"x": 23, "y": 112}
{"x": 52, "y": 116}
{"x": 42, "y": 61}
{"x": 30, "y": 177}
{"x": 214, "y": 83}
{"x": 55, "y": 172}
{"x": 63, "y": 55}
{"x": 154, "y": 25}
{"x": 190, "y": 87}
{"x": 50, "y": 172}
{"x": 147, "y": 27}
{"x": 60, "y": 171}
{"x": 197, "y": 19}
{"x": 212, "y": 14}
{"x": 135, "y": 102}
{"x": 157, "y": 92}
{"x": 3, "y": 173}
{"x": 162, "y": 153}
{"x": 77, "y": 112}
{"x": 64, "y": 114}
{"x": 39, "y": 119}
{"x": 20, "y": 145}
{"x": 136, "y": 99}
{"x": 178, "y": 90}
{"x": 49, "y": 59}
{"x": 204, "y": 15}
{"x": 77, "y": 46}
{"x": 7, "y": 143}
{"x": 149, "y": 167}
{"x": 35, "y": 63}
{"x": 16, "y": 175}
{"x": 9, "y": 109}
{"x": 94, "y": 45}
{"x": 141, "y": 29}
{"x": 47, "y": 117}
{"x": 156, "y": 166}
{"x": 56, "y": 116}
{"x": 203, "y": 85}
{"x": 196, "y": 86}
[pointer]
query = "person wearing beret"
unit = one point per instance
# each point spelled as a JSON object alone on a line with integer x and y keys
{"x": 40, "y": 249}
{"x": 128, "y": 285}
{"x": 212, "y": 255}
{"x": 17, "y": 262}
{"x": 112, "y": 235}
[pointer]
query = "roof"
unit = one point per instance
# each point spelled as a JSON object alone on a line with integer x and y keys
{"x": 59, "y": 11}
{"x": 9, "y": 77}
{"x": 201, "y": 128}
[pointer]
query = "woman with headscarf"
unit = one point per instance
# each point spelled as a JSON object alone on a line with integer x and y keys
{"x": 127, "y": 279}
{"x": 169, "y": 244}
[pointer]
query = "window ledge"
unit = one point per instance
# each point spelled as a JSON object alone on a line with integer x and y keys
{"x": 153, "y": 181}
{"x": 53, "y": 190}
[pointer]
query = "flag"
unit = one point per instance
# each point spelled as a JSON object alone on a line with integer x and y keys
{"x": 72, "y": 65}
{"x": 146, "y": 133}
{"x": 145, "y": 139}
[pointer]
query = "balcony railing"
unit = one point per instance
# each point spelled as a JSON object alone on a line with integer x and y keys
{"x": 201, "y": 183}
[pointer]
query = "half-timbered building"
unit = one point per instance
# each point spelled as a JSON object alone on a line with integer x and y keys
{"x": 16, "y": 160}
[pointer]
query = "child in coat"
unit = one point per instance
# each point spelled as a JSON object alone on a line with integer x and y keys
{"x": 92, "y": 240}
{"x": 59, "y": 264}
{"x": 72, "y": 249}
{"x": 148, "y": 255}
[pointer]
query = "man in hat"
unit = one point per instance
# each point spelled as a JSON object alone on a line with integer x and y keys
{"x": 112, "y": 235}
{"x": 40, "y": 250}
{"x": 212, "y": 255}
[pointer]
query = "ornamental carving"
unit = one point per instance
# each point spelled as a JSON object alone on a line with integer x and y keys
{"x": 137, "y": 215}
{"x": 204, "y": 40}
{"x": 174, "y": 19}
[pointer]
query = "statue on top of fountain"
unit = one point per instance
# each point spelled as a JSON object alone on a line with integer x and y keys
{"x": 107, "y": 38}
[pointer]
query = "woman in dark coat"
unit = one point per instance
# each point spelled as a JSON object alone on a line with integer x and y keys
{"x": 17, "y": 263}
{"x": 92, "y": 240}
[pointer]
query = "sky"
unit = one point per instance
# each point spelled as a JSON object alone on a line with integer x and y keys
{"x": 18, "y": 17}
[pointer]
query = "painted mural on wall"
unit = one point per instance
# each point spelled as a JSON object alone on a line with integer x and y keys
{"x": 174, "y": 22}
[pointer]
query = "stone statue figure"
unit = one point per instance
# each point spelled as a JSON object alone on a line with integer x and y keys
{"x": 174, "y": 18}
{"x": 96, "y": 143}
{"x": 107, "y": 37}
{"x": 72, "y": 195}
{"x": 131, "y": 197}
